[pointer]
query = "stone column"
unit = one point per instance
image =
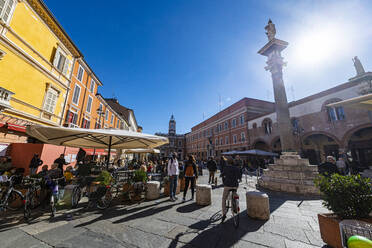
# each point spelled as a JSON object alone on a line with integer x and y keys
{"x": 272, "y": 50}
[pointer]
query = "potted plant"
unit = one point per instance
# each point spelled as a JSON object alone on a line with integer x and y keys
{"x": 139, "y": 179}
{"x": 348, "y": 197}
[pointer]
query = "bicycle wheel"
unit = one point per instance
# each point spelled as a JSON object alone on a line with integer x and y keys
{"x": 105, "y": 201}
{"x": 76, "y": 196}
{"x": 115, "y": 190}
{"x": 235, "y": 211}
{"x": 15, "y": 200}
{"x": 53, "y": 209}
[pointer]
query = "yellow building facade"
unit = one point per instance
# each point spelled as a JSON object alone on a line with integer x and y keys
{"x": 36, "y": 61}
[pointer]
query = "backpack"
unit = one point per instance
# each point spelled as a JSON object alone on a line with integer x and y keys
{"x": 189, "y": 172}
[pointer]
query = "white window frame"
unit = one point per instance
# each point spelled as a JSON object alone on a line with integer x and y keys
{"x": 49, "y": 107}
{"x": 227, "y": 140}
{"x": 92, "y": 83}
{"x": 117, "y": 123}
{"x": 82, "y": 74}
{"x": 112, "y": 118}
{"x": 57, "y": 59}
{"x": 221, "y": 141}
{"x": 5, "y": 8}
{"x": 216, "y": 141}
{"x": 235, "y": 139}
{"x": 73, "y": 95}
{"x": 106, "y": 115}
{"x": 242, "y": 120}
{"x": 91, "y": 103}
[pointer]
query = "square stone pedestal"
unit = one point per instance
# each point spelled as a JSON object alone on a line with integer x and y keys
{"x": 290, "y": 173}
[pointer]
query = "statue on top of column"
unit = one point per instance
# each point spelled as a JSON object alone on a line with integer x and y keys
{"x": 270, "y": 30}
{"x": 358, "y": 66}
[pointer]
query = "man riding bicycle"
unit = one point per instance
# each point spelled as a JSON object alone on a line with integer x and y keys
{"x": 231, "y": 176}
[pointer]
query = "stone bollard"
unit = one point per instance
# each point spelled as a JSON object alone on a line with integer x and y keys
{"x": 203, "y": 194}
{"x": 153, "y": 190}
{"x": 258, "y": 206}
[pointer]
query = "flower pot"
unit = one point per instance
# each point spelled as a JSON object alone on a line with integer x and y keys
{"x": 330, "y": 229}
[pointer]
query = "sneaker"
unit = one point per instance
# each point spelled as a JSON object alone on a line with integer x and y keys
{"x": 223, "y": 218}
{"x": 183, "y": 199}
{"x": 171, "y": 199}
{"x": 175, "y": 198}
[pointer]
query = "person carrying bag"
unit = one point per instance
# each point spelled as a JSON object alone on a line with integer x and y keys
{"x": 191, "y": 174}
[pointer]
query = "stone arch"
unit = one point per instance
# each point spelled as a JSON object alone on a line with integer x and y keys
{"x": 317, "y": 145}
{"x": 261, "y": 145}
{"x": 275, "y": 144}
{"x": 345, "y": 139}
{"x": 308, "y": 134}
{"x": 358, "y": 144}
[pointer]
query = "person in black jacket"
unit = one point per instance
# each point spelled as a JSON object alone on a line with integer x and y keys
{"x": 230, "y": 177}
{"x": 61, "y": 162}
{"x": 35, "y": 162}
{"x": 191, "y": 174}
{"x": 329, "y": 167}
{"x": 212, "y": 167}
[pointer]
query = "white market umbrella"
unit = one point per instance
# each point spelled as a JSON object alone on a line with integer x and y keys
{"x": 95, "y": 138}
{"x": 142, "y": 150}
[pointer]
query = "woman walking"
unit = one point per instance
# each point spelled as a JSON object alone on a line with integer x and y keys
{"x": 190, "y": 174}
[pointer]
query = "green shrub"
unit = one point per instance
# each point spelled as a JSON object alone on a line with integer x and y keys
{"x": 140, "y": 176}
{"x": 104, "y": 178}
{"x": 349, "y": 197}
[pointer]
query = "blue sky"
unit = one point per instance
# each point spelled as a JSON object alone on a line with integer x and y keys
{"x": 164, "y": 57}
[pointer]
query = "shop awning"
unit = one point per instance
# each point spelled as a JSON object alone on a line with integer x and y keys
{"x": 17, "y": 128}
{"x": 360, "y": 102}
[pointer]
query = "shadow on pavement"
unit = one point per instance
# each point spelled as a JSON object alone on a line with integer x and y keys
{"x": 145, "y": 213}
{"x": 113, "y": 212}
{"x": 189, "y": 208}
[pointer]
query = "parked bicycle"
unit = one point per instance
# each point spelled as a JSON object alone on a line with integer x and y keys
{"x": 11, "y": 198}
{"x": 32, "y": 197}
{"x": 232, "y": 201}
{"x": 101, "y": 197}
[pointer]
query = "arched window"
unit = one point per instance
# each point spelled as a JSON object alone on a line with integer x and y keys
{"x": 267, "y": 125}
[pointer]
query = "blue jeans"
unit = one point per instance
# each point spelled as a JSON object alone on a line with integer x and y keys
{"x": 173, "y": 185}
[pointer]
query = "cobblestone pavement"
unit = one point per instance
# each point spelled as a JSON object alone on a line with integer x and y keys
{"x": 163, "y": 223}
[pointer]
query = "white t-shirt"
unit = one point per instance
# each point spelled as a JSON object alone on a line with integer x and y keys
{"x": 173, "y": 167}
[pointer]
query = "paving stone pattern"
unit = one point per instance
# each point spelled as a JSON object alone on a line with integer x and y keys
{"x": 164, "y": 224}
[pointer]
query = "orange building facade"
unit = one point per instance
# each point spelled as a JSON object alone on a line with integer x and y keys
{"x": 82, "y": 102}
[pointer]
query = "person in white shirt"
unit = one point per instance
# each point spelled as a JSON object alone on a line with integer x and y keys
{"x": 173, "y": 172}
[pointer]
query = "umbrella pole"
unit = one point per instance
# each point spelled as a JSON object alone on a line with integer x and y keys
{"x": 109, "y": 153}
{"x": 94, "y": 153}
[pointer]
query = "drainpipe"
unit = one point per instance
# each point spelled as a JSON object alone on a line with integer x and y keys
{"x": 67, "y": 93}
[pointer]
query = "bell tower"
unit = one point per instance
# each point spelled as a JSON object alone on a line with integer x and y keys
{"x": 172, "y": 126}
